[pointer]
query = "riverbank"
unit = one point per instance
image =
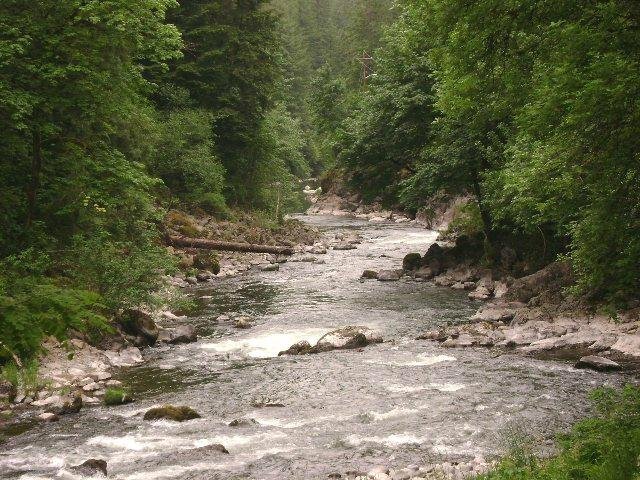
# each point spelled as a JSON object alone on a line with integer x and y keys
{"x": 71, "y": 375}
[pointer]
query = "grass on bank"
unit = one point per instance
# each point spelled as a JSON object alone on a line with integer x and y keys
{"x": 604, "y": 447}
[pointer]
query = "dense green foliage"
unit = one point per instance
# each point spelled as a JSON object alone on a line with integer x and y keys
{"x": 605, "y": 447}
{"x": 533, "y": 106}
{"x": 112, "y": 112}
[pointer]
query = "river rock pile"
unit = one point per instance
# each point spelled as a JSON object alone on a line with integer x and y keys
{"x": 345, "y": 338}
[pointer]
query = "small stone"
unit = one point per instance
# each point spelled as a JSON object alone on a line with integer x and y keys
{"x": 242, "y": 323}
{"x": 191, "y": 280}
{"x": 243, "y": 422}
{"x": 274, "y": 267}
{"x": 113, "y": 383}
{"x": 48, "y": 417}
{"x": 92, "y": 387}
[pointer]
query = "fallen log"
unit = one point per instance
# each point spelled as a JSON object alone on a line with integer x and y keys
{"x": 203, "y": 243}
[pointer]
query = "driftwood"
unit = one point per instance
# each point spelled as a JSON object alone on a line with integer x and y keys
{"x": 186, "y": 242}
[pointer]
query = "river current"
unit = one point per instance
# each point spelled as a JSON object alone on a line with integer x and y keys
{"x": 398, "y": 403}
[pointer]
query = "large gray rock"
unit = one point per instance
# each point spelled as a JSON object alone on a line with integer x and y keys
{"x": 601, "y": 364}
{"x": 183, "y": 334}
{"x": 341, "y": 339}
{"x": 627, "y": 346}
{"x": 140, "y": 325}
{"x": 389, "y": 275}
{"x": 553, "y": 277}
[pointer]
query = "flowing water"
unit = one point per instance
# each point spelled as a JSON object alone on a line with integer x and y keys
{"x": 398, "y": 403}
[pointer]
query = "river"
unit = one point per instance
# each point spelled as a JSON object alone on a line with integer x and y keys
{"x": 398, "y": 403}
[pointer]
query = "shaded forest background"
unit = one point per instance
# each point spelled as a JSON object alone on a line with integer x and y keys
{"x": 114, "y": 111}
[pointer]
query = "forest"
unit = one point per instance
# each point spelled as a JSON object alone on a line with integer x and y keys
{"x": 113, "y": 112}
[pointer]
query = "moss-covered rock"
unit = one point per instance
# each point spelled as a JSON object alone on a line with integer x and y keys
{"x": 170, "y": 412}
{"x": 412, "y": 262}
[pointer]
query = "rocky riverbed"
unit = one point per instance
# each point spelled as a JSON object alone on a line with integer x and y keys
{"x": 370, "y": 400}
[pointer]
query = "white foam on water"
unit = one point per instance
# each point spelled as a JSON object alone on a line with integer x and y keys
{"x": 233, "y": 441}
{"x": 136, "y": 443}
{"x": 447, "y": 387}
{"x": 173, "y": 471}
{"x": 422, "y": 360}
{"x": 411, "y": 238}
{"x": 265, "y": 345}
{"x": 396, "y": 412}
{"x": 394, "y": 440}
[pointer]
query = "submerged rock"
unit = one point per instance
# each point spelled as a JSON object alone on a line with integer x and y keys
{"x": 345, "y": 246}
{"x": 213, "y": 448}
{"x": 600, "y": 364}
{"x": 169, "y": 412}
{"x": 273, "y": 267}
{"x": 243, "y": 422}
{"x": 300, "y": 348}
{"x": 91, "y": 468}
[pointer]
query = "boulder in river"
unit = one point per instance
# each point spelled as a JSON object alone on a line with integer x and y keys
{"x": 389, "y": 275}
{"x": 369, "y": 275}
{"x": 345, "y": 338}
{"x": 272, "y": 267}
{"x": 182, "y": 334}
{"x": 139, "y": 324}
{"x": 600, "y": 364}
{"x": 412, "y": 262}
{"x": 170, "y": 412}
{"x": 91, "y": 468}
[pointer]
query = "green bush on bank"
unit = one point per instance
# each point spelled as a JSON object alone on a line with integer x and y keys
{"x": 605, "y": 447}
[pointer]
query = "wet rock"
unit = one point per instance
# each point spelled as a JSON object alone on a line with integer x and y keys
{"x": 191, "y": 280}
{"x": 243, "y": 422}
{"x": 494, "y": 313}
{"x": 346, "y": 338}
{"x": 600, "y": 364}
{"x": 318, "y": 250}
{"x": 139, "y": 324}
{"x": 462, "y": 341}
{"x": 204, "y": 276}
{"x": 412, "y": 262}
{"x": 344, "y": 246}
{"x": 91, "y": 468}
{"x": 389, "y": 275}
{"x": 48, "y": 417}
{"x": 242, "y": 323}
{"x": 274, "y": 267}
{"x": 433, "y": 260}
{"x": 170, "y": 412}
{"x": 183, "y": 334}
{"x": 127, "y": 357}
{"x": 213, "y": 448}
{"x": 369, "y": 275}
{"x": 436, "y": 335}
{"x": 301, "y": 348}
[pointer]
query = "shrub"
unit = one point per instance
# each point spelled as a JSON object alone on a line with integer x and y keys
{"x": 116, "y": 396}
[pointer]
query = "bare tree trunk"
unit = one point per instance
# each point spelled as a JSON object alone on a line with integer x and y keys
{"x": 36, "y": 167}
{"x": 186, "y": 242}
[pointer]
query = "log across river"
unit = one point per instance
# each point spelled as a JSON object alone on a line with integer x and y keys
{"x": 398, "y": 403}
